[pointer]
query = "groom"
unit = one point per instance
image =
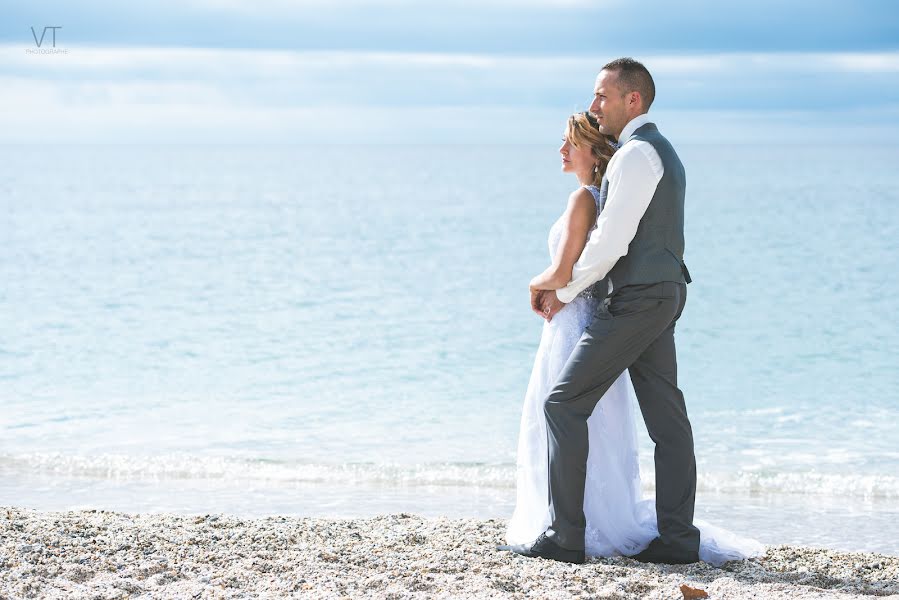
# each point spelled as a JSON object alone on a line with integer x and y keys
{"x": 638, "y": 245}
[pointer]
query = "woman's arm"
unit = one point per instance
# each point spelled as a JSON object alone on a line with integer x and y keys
{"x": 579, "y": 217}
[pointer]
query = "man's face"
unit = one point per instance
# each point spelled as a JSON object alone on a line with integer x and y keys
{"x": 609, "y": 105}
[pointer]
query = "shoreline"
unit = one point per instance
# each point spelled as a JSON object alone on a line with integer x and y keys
{"x": 108, "y": 554}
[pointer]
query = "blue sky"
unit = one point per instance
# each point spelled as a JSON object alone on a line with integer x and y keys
{"x": 397, "y": 71}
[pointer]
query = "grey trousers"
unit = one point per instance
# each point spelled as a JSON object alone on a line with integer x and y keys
{"x": 633, "y": 330}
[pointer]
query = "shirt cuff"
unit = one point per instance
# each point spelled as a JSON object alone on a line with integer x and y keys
{"x": 566, "y": 294}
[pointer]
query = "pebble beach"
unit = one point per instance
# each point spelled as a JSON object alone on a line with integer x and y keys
{"x": 107, "y": 555}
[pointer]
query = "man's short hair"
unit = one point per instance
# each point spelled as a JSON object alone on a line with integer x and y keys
{"x": 634, "y": 77}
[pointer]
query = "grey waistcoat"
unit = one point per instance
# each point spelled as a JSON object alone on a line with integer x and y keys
{"x": 657, "y": 251}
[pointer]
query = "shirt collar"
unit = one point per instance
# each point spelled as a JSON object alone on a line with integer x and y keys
{"x": 632, "y": 126}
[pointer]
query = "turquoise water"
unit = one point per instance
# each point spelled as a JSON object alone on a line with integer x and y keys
{"x": 346, "y": 331}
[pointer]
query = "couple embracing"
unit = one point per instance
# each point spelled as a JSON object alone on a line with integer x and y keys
{"x": 610, "y": 300}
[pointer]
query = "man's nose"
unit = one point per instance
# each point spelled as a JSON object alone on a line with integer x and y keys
{"x": 594, "y": 105}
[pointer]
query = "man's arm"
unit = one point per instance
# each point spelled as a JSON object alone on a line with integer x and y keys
{"x": 634, "y": 174}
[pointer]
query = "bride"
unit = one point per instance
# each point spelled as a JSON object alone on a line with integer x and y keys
{"x": 619, "y": 521}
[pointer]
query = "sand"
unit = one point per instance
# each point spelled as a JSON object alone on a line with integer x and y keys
{"x": 102, "y": 554}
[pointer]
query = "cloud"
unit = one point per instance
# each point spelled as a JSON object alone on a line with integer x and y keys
{"x": 244, "y": 95}
{"x": 867, "y": 63}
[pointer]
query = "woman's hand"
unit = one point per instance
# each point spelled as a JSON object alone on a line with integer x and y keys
{"x": 551, "y": 304}
{"x": 545, "y": 303}
{"x": 537, "y": 301}
{"x": 547, "y": 280}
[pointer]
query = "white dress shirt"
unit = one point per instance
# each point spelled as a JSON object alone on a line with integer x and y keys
{"x": 634, "y": 174}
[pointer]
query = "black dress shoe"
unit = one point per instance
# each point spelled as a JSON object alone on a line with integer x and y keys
{"x": 544, "y": 547}
{"x": 660, "y": 553}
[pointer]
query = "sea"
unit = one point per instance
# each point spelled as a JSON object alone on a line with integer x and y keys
{"x": 344, "y": 331}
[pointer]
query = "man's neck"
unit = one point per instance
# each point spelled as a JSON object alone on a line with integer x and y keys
{"x": 632, "y": 126}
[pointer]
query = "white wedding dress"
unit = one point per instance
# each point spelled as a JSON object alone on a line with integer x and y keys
{"x": 619, "y": 520}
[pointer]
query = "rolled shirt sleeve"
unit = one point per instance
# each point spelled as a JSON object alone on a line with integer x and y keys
{"x": 634, "y": 174}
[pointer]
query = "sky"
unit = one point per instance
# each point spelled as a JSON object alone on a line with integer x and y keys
{"x": 459, "y": 71}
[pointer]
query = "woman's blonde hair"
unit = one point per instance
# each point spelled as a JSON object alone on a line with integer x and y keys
{"x": 583, "y": 130}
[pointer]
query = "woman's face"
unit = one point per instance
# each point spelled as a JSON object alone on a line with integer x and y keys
{"x": 578, "y": 160}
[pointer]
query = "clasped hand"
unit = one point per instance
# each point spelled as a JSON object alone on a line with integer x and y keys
{"x": 545, "y": 303}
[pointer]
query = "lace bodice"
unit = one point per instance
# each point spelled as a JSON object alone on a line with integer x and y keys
{"x": 555, "y": 236}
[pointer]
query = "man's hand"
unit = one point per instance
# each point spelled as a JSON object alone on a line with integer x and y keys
{"x": 551, "y": 304}
{"x": 545, "y": 303}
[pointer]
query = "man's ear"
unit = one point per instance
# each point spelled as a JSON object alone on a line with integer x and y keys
{"x": 634, "y": 100}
